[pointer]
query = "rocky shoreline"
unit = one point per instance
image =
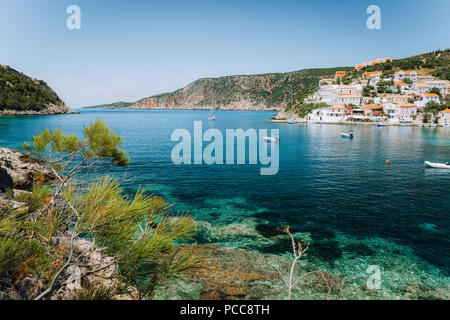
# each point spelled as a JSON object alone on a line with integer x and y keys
{"x": 284, "y": 117}
{"x": 50, "y": 110}
{"x": 19, "y": 171}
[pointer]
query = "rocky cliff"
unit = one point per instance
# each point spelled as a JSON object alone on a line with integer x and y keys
{"x": 243, "y": 92}
{"x": 20, "y": 94}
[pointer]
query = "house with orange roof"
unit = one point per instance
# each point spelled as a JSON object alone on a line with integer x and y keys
{"x": 427, "y": 97}
{"x": 444, "y": 117}
{"x": 339, "y": 74}
{"x": 405, "y": 74}
{"x": 408, "y": 112}
{"x": 421, "y": 87}
{"x": 442, "y": 85}
{"x": 347, "y": 98}
{"x": 371, "y": 74}
{"x": 373, "y": 111}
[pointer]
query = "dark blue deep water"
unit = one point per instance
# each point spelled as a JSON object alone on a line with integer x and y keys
{"x": 340, "y": 194}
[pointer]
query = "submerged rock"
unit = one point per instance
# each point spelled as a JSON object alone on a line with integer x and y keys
{"x": 426, "y": 292}
{"x": 18, "y": 170}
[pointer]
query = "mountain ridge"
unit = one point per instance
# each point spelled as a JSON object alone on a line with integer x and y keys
{"x": 268, "y": 91}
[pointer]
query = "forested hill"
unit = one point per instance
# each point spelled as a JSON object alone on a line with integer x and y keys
{"x": 241, "y": 92}
{"x": 20, "y": 94}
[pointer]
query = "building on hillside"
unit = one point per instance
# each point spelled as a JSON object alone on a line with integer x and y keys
{"x": 371, "y": 63}
{"x": 339, "y": 74}
{"x": 356, "y": 115}
{"x": 333, "y": 114}
{"x": 374, "y": 112}
{"x": 444, "y": 117}
{"x": 397, "y": 98}
{"x": 427, "y": 97}
{"x": 345, "y": 89}
{"x": 408, "y": 112}
{"x": 442, "y": 85}
{"x": 421, "y": 87}
{"x": 363, "y": 82}
{"x": 400, "y": 84}
{"x": 392, "y": 111}
{"x": 371, "y": 75}
{"x": 424, "y": 78}
{"x": 372, "y": 100}
{"x": 405, "y": 74}
{"x": 326, "y": 82}
{"x": 347, "y": 98}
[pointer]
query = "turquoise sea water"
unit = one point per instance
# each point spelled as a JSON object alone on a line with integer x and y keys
{"x": 337, "y": 194}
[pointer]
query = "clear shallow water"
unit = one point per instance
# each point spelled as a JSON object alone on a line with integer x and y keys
{"x": 338, "y": 194}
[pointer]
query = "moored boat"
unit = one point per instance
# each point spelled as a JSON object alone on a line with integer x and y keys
{"x": 347, "y": 135}
{"x": 437, "y": 165}
{"x": 290, "y": 121}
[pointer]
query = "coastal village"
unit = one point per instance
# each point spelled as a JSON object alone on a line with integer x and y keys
{"x": 404, "y": 97}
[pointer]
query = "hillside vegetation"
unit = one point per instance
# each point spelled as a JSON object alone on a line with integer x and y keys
{"x": 19, "y": 92}
{"x": 436, "y": 63}
{"x": 242, "y": 92}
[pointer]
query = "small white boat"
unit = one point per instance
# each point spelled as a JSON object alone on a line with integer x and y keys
{"x": 381, "y": 124}
{"x": 290, "y": 121}
{"x": 212, "y": 118}
{"x": 271, "y": 139}
{"x": 437, "y": 165}
{"x": 347, "y": 135}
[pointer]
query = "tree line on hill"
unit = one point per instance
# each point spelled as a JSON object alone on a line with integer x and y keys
{"x": 21, "y": 93}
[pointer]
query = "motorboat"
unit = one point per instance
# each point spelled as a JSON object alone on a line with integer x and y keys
{"x": 347, "y": 135}
{"x": 437, "y": 165}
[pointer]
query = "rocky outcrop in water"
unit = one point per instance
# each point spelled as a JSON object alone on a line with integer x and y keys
{"x": 19, "y": 170}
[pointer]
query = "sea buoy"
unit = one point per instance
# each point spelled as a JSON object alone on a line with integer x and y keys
{"x": 387, "y": 162}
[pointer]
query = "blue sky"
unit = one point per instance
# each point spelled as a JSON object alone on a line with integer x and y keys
{"x": 127, "y": 50}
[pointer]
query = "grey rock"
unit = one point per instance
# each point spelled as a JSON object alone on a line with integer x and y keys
{"x": 18, "y": 170}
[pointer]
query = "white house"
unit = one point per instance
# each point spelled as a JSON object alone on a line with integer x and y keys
{"x": 392, "y": 111}
{"x": 347, "y": 98}
{"x": 408, "y": 74}
{"x": 442, "y": 85}
{"x": 334, "y": 113}
{"x": 427, "y": 97}
{"x": 421, "y": 87}
{"x": 345, "y": 89}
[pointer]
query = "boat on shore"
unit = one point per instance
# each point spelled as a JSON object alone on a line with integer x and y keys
{"x": 347, "y": 135}
{"x": 290, "y": 121}
{"x": 437, "y": 165}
